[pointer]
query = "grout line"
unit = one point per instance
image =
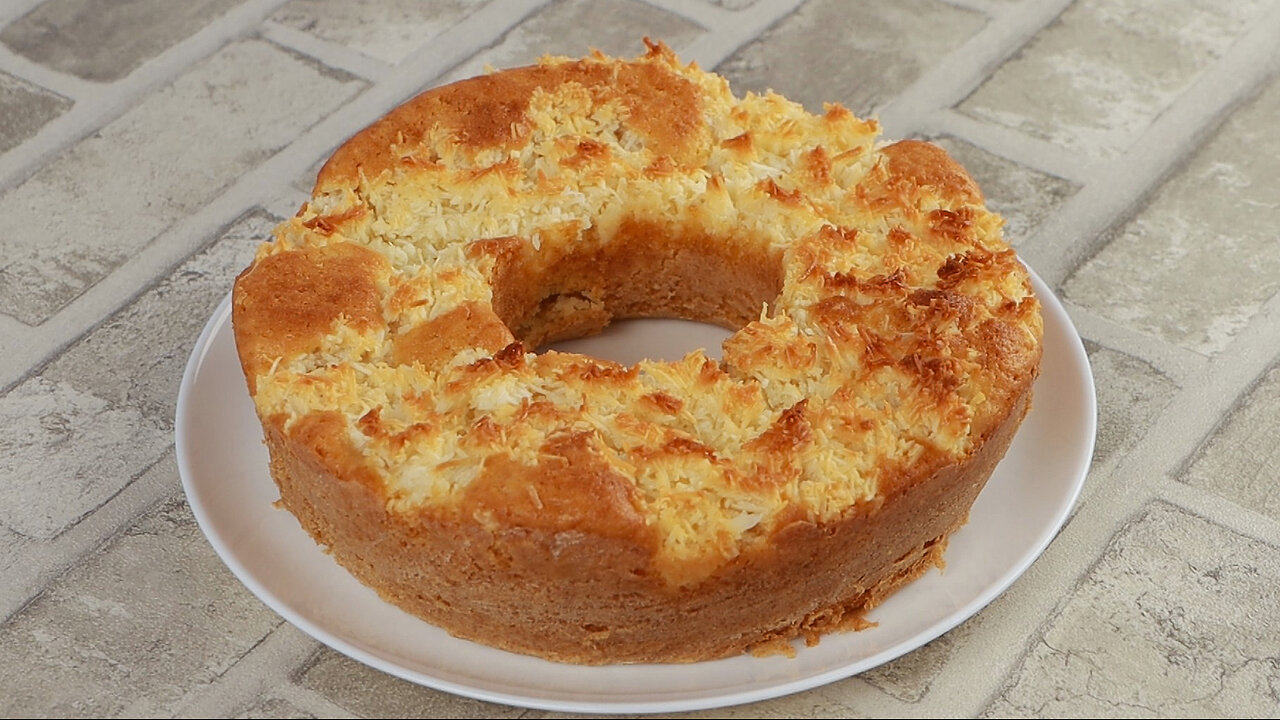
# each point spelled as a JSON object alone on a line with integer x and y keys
{"x": 1019, "y": 617}
{"x": 477, "y": 64}
{"x": 21, "y": 373}
{"x": 331, "y": 54}
{"x": 710, "y": 17}
{"x": 712, "y": 48}
{"x": 491, "y": 23}
{"x": 1078, "y": 230}
{"x": 1176, "y": 362}
{"x": 68, "y": 86}
{"x": 1222, "y": 511}
{"x": 1210, "y": 387}
{"x": 85, "y": 116}
{"x": 98, "y": 303}
{"x": 1034, "y": 615}
{"x": 10, "y": 329}
{"x": 13, "y": 9}
{"x": 1022, "y": 149}
{"x": 1127, "y": 483}
{"x": 285, "y": 203}
{"x": 964, "y": 69}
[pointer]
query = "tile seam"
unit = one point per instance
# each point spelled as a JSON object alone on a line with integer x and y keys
{"x": 1006, "y": 679}
{"x": 1255, "y": 347}
{"x": 708, "y": 16}
{"x": 1178, "y": 363}
{"x": 1012, "y": 145}
{"x": 1141, "y": 476}
{"x": 1222, "y": 512}
{"x": 313, "y": 701}
{"x": 67, "y": 86}
{"x": 325, "y": 52}
{"x": 711, "y": 49}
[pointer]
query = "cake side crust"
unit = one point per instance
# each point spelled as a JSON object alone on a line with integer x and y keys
{"x": 587, "y": 598}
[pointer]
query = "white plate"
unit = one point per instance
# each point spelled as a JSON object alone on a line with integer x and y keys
{"x": 224, "y": 472}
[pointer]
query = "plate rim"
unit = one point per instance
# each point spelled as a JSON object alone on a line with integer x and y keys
{"x": 1051, "y": 307}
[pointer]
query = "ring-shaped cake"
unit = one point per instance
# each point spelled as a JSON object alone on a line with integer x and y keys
{"x": 886, "y": 341}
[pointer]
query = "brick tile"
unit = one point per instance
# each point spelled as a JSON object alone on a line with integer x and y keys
{"x": 858, "y": 54}
{"x": 106, "y": 41}
{"x": 130, "y": 632}
{"x": 1201, "y": 258}
{"x": 372, "y": 693}
{"x": 1131, "y": 394}
{"x": 615, "y": 27}
{"x": 1173, "y": 620}
{"x": 101, "y": 413}
{"x": 24, "y": 109}
{"x": 1241, "y": 459}
{"x": 1023, "y": 196}
{"x": 387, "y": 30}
{"x": 105, "y": 198}
{"x": 1096, "y": 77}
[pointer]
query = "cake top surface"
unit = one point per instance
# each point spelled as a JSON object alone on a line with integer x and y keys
{"x": 884, "y": 327}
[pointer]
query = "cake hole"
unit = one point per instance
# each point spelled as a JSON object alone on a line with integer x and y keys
{"x": 636, "y": 339}
{"x": 653, "y": 291}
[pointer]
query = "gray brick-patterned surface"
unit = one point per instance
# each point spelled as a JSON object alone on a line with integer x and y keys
{"x": 120, "y": 121}
{"x": 99, "y": 414}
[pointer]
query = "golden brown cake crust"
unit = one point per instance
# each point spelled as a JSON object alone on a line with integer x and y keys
{"x": 589, "y": 597}
{"x": 572, "y": 508}
{"x": 491, "y": 111}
